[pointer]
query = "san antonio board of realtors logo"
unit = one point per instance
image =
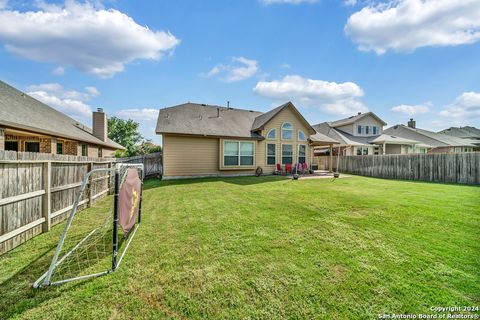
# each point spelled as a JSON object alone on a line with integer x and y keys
{"x": 129, "y": 199}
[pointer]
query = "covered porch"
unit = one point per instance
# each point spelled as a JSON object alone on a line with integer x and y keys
{"x": 321, "y": 141}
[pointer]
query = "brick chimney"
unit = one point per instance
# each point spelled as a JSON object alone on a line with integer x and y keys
{"x": 411, "y": 123}
{"x": 99, "y": 124}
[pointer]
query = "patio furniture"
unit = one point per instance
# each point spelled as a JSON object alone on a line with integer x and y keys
{"x": 280, "y": 170}
{"x": 305, "y": 168}
{"x": 288, "y": 168}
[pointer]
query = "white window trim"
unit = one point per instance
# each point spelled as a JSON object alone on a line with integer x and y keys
{"x": 281, "y": 131}
{"x": 281, "y": 152}
{"x": 361, "y": 129}
{"x": 273, "y": 129}
{"x": 298, "y": 152}
{"x": 266, "y": 154}
{"x": 298, "y": 135}
{"x": 239, "y": 154}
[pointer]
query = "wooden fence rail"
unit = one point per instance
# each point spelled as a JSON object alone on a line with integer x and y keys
{"x": 38, "y": 190}
{"x": 463, "y": 168}
{"x": 152, "y": 163}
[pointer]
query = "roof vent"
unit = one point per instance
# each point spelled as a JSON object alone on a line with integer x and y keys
{"x": 203, "y": 104}
{"x": 359, "y": 113}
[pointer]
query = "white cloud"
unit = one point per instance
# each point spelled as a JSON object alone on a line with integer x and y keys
{"x": 3, "y": 4}
{"x": 350, "y": 3}
{"x": 412, "y": 110}
{"x": 266, "y": 2}
{"x": 59, "y": 71}
{"x": 465, "y": 108}
{"x": 240, "y": 69}
{"x": 330, "y": 97}
{"x": 404, "y": 25}
{"x": 89, "y": 38}
{"x": 145, "y": 114}
{"x": 71, "y": 102}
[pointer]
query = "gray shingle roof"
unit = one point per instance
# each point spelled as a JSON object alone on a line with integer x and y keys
{"x": 352, "y": 119}
{"x": 19, "y": 110}
{"x": 342, "y": 137}
{"x": 207, "y": 120}
{"x": 428, "y": 137}
{"x": 210, "y": 120}
{"x": 462, "y": 132}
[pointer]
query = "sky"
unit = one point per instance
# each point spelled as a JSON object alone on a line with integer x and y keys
{"x": 331, "y": 58}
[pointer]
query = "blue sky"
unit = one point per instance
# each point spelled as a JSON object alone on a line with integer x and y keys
{"x": 399, "y": 59}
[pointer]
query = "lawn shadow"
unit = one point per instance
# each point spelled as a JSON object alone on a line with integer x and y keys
{"x": 243, "y": 181}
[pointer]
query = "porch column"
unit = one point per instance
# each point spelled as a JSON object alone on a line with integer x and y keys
{"x": 2, "y": 139}
{"x": 384, "y": 147}
{"x": 331, "y": 158}
{"x": 53, "y": 145}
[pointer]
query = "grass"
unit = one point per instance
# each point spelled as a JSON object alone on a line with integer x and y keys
{"x": 271, "y": 248}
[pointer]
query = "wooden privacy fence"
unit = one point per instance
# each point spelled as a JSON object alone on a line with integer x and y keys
{"x": 152, "y": 163}
{"x": 38, "y": 190}
{"x": 461, "y": 168}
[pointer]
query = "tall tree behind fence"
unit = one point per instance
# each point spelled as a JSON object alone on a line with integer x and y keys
{"x": 38, "y": 190}
{"x": 152, "y": 163}
{"x": 461, "y": 168}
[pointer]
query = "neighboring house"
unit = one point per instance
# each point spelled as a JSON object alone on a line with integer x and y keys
{"x": 438, "y": 142}
{"x": 470, "y": 133}
{"x": 208, "y": 140}
{"x": 29, "y": 125}
{"x": 363, "y": 134}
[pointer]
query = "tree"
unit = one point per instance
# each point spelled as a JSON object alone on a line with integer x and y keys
{"x": 147, "y": 146}
{"x": 125, "y": 132}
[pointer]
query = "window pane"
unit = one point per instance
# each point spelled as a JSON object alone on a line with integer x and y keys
{"x": 286, "y": 160}
{"x": 359, "y": 129}
{"x": 367, "y": 129}
{"x": 32, "y": 146}
{"x": 231, "y": 161}
{"x": 246, "y": 149}
{"x": 301, "y": 135}
{"x": 359, "y": 151}
{"x": 271, "y": 149}
{"x": 272, "y": 134}
{"x": 302, "y": 150}
{"x": 301, "y": 159}
{"x": 287, "y": 150}
{"x": 246, "y": 161}
{"x": 287, "y": 134}
{"x": 230, "y": 148}
{"x": 374, "y": 130}
{"x": 365, "y": 151}
{"x": 270, "y": 160}
{"x": 287, "y": 125}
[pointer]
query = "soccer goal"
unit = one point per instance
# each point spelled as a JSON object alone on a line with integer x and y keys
{"x": 94, "y": 241}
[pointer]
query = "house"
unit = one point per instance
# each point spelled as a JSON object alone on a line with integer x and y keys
{"x": 208, "y": 140}
{"x": 363, "y": 134}
{"x": 29, "y": 125}
{"x": 469, "y": 133}
{"x": 437, "y": 142}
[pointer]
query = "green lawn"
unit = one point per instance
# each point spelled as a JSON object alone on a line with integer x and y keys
{"x": 270, "y": 248}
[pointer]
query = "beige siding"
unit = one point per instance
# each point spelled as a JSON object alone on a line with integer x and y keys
{"x": 286, "y": 115}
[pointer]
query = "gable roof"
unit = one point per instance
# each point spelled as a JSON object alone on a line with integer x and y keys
{"x": 21, "y": 111}
{"x": 342, "y": 137}
{"x": 428, "y": 137}
{"x": 353, "y": 119}
{"x": 211, "y": 120}
{"x": 207, "y": 120}
{"x": 462, "y": 132}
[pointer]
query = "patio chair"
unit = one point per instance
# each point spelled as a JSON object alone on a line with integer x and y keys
{"x": 279, "y": 169}
{"x": 288, "y": 168}
{"x": 305, "y": 168}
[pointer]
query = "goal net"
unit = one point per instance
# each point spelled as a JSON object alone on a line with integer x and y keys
{"x": 95, "y": 239}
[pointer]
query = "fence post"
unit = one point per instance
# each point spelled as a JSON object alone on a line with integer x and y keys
{"x": 90, "y": 185}
{"x": 46, "y": 199}
{"x": 109, "y": 180}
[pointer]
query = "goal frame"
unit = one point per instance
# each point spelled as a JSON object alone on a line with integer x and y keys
{"x": 45, "y": 279}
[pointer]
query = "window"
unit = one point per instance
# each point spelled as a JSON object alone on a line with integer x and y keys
{"x": 287, "y": 153}
{"x": 302, "y": 153}
{"x": 301, "y": 136}
{"x": 374, "y": 130}
{"x": 287, "y": 131}
{"x": 367, "y": 129}
{"x": 359, "y": 129}
{"x": 271, "y": 154}
{"x": 272, "y": 134}
{"x": 84, "y": 150}
{"x": 59, "y": 148}
{"x": 32, "y": 146}
{"x": 362, "y": 151}
{"x": 11, "y": 145}
{"x": 236, "y": 153}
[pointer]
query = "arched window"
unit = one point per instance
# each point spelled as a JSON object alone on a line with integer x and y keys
{"x": 272, "y": 134}
{"x": 301, "y": 136}
{"x": 287, "y": 131}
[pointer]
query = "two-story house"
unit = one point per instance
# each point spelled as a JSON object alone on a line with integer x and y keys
{"x": 363, "y": 134}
